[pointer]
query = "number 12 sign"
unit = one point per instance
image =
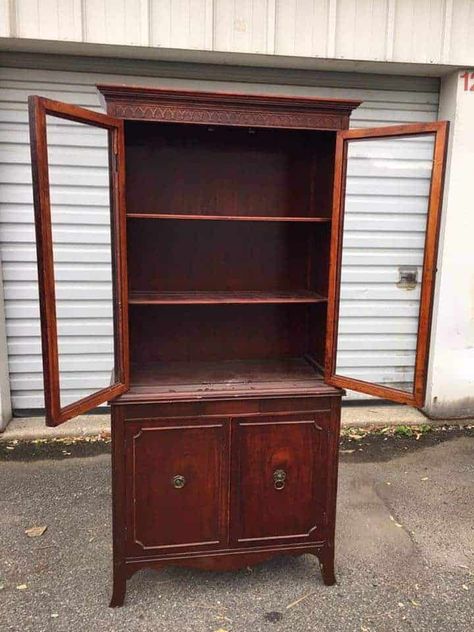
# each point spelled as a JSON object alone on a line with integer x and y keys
{"x": 468, "y": 78}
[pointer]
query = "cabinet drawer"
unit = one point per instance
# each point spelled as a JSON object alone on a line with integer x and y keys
{"x": 280, "y": 474}
{"x": 177, "y": 482}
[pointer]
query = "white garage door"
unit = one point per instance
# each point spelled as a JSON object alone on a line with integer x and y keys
{"x": 366, "y": 349}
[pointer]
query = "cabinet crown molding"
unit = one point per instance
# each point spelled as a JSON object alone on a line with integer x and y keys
{"x": 223, "y": 108}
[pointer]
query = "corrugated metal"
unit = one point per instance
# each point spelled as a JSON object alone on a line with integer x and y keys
{"x": 418, "y": 31}
{"x": 83, "y": 228}
{"x": 386, "y": 205}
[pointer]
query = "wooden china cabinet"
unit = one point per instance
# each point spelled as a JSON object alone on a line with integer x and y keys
{"x": 227, "y": 229}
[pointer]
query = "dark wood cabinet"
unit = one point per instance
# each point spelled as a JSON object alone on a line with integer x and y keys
{"x": 279, "y": 484}
{"x": 177, "y": 484}
{"x": 227, "y": 252}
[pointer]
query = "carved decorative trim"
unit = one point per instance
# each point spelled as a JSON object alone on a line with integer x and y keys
{"x": 227, "y": 116}
{"x": 204, "y": 108}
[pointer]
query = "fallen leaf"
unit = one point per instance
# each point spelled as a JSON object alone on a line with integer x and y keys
{"x": 415, "y": 603}
{"x": 35, "y": 532}
{"x": 22, "y": 587}
{"x": 465, "y": 587}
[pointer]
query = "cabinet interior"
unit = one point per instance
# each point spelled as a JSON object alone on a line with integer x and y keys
{"x": 228, "y": 237}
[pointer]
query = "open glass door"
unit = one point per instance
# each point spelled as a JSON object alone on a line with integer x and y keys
{"x": 78, "y": 185}
{"x": 387, "y": 200}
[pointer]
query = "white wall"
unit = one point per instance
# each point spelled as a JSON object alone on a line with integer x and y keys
{"x": 415, "y": 31}
{"x": 451, "y": 378}
{"x": 5, "y": 401}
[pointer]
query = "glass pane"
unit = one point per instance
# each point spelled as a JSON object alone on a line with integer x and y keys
{"x": 81, "y": 230}
{"x": 385, "y": 215}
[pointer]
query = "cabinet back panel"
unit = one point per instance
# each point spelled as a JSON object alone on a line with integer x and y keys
{"x": 318, "y": 249}
{"x": 193, "y": 169}
{"x": 317, "y": 322}
{"x": 322, "y": 176}
{"x": 217, "y": 332}
{"x": 170, "y": 255}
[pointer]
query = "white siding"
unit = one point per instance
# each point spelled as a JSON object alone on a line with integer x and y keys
{"x": 242, "y": 26}
{"x": 416, "y": 31}
{"x": 181, "y": 24}
{"x": 401, "y": 100}
{"x": 118, "y": 22}
{"x": 48, "y": 19}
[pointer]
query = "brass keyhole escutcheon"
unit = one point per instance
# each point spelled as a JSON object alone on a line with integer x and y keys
{"x": 279, "y": 479}
{"x": 178, "y": 481}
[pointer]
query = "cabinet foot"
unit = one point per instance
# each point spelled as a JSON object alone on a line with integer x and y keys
{"x": 326, "y": 564}
{"x": 119, "y": 588}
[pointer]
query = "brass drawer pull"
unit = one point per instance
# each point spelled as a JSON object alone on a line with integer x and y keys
{"x": 279, "y": 479}
{"x": 178, "y": 481}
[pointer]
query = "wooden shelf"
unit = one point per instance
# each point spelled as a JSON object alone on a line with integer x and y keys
{"x": 229, "y": 378}
{"x": 233, "y": 218}
{"x": 224, "y": 297}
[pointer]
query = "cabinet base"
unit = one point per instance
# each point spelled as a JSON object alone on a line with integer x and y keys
{"x": 219, "y": 562}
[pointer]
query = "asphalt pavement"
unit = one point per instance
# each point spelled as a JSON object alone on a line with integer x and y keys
{"x": 404, "y": 557}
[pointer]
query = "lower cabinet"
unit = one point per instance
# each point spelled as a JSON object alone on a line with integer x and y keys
{"x": 177, "y": 481}
{"x": 219, "y": 483}
{"x": 279, "y": 476}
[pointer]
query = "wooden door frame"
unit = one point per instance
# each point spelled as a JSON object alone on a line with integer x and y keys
{"x": 39, "y": 108}
{"x": 440, "y": 131}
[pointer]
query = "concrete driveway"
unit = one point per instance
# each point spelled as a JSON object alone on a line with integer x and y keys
{"x": 405, "y": 553}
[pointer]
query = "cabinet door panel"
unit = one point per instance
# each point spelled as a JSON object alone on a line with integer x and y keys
{"x": 384, "y": 177}
{"x": 280, "y": 475}
{"x": 78, "y": 172}
{"x": 177, "y": 482}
